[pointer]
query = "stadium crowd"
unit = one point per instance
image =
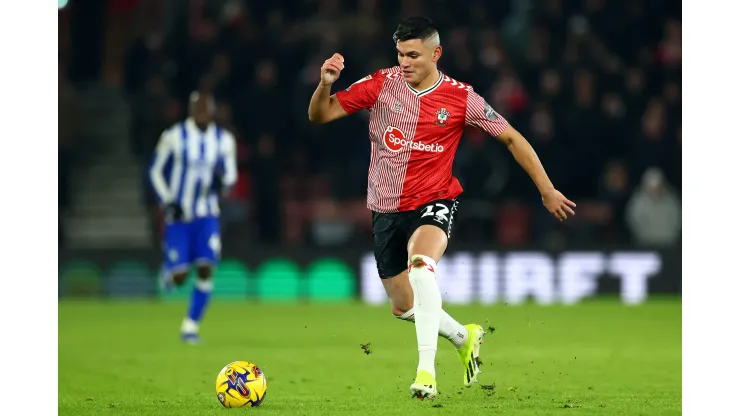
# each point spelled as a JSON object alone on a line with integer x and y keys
{"x": 594, "y": 85}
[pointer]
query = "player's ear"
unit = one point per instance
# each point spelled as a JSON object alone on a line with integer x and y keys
{"x": 436, "y": 54}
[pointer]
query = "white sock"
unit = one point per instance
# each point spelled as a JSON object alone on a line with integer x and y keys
{"x": 204, "y": 285}
{"x": 452, "y": 330}
{"x": 427, "y": 308}
{"x": 189, "y": 326}
{"x": 449, "y": 328}
{"x": 408, "y": 316}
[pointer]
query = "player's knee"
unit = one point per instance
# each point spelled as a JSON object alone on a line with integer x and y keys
{"x": 204, "y": 272}
{"x": 421, "y": 261}
{"x": 428, "y": 241}
{"x": 179, "y": 278}
{"x": 418, "y": 261}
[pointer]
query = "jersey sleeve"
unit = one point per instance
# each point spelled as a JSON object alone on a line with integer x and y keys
{"x": 362, "y": 94}
{"x": 165, "y": 148}
{"x": 229, "y": 156}
{"x": 482, "y": 116}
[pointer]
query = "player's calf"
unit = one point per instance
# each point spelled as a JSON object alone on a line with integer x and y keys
{"x": 199, "y": 300}
{"x": 170, "y": 279}
{"x": 427, "y": 308}
{"x": 399, "y": 291}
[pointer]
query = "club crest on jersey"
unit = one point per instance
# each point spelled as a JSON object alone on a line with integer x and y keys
{"x": 442, "y": 115}
{"x": 397, "y": 107}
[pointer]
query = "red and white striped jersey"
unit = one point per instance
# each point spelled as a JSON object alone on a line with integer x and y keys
{"x": 414, "y": 136}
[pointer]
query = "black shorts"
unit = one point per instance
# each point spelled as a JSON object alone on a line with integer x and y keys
{"x": 391, "y": 232}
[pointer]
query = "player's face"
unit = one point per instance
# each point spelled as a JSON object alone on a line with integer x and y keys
{"x": 417, "y": 60}
{"x": 201, "y": 112}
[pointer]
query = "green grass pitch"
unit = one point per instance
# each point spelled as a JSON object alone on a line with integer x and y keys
{"x": 597, "y": 358}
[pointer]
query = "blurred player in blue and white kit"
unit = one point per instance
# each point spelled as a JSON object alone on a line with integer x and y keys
{"x": 194, "y": 162}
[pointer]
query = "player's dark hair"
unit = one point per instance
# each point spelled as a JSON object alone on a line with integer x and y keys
{"x": 414, "y": 28}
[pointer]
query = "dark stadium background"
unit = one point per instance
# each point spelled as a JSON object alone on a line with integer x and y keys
{"x": 583, "y": 317}
{"x": 595, "y": 86}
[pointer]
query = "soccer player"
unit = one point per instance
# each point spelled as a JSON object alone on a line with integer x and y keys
{"x": 199, "y": 159}
{"x": 417, "y": 116}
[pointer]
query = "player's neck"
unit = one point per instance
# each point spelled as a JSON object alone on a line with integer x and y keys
{"x": 200, "y": 126}
{"x": 427, "y": 82}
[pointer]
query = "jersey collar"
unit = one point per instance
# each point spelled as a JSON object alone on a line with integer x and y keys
{"x": 428, "y": 90}
{"x": 190, "y": 123}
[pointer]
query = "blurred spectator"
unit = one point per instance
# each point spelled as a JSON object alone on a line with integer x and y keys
{"x": 654, "y": 211}
{"x": 149, "y": 107}
{"x": 614, "y": 190}
{"x": 69, "y": 121}
{"x": 588, "y": 83}
{"x": 329, "y": 227}
{"x": 635, "y": 85}
{"x": 613, "y": 126}
{"x": 586, "y": 145}
{"x": 221, "y": 77}
{"x": 674, "y": 165}
{"x": 482, "y": 167}
{"x": 551, "y": 87}
{"x": 669, "y": 49}
{"x": 651, "y": 139}
{"x": 266, "y": 185}
{"x": 508, "y": 93}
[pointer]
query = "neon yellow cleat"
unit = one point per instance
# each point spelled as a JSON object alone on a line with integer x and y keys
{"x": 425, "y": 386}
{"x": 469, "y": 353}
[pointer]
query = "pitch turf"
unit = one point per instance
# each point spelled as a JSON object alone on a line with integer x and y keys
{"x": 598, "y": 358}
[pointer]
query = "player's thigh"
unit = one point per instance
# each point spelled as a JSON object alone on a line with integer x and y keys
{"x": 389, "y": 243}
{"x": 431, "y": 228}
{"x": 207, "y": 241}
{"x": 177, "y": 247}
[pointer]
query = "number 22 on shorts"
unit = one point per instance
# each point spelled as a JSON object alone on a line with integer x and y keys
{"x": 441, "y": 213}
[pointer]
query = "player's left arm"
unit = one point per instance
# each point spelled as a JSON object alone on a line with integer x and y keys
{"x": 482, "y": 116}
{"x": 228, "y": 176}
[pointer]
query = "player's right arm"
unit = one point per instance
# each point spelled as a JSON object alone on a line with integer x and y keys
{"x": 325, "y": 107}
{"x": 165, "y": 148}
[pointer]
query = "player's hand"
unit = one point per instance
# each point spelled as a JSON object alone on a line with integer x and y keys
{"x": 331, "y": 69}
{"x": 217, "y": 185}
{"x": 558, "y": 205}
{"x": 173, "y": 212}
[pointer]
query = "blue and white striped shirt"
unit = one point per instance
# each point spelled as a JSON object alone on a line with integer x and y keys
{"x": 189, "y": 158}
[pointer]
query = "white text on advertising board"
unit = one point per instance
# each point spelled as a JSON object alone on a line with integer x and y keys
{"x": 514, "y": 277}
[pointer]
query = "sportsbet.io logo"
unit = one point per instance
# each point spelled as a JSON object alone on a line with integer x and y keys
{"x": 395, "y": 140}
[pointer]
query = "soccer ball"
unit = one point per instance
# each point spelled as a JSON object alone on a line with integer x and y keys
{"x": 241, "y": 384}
